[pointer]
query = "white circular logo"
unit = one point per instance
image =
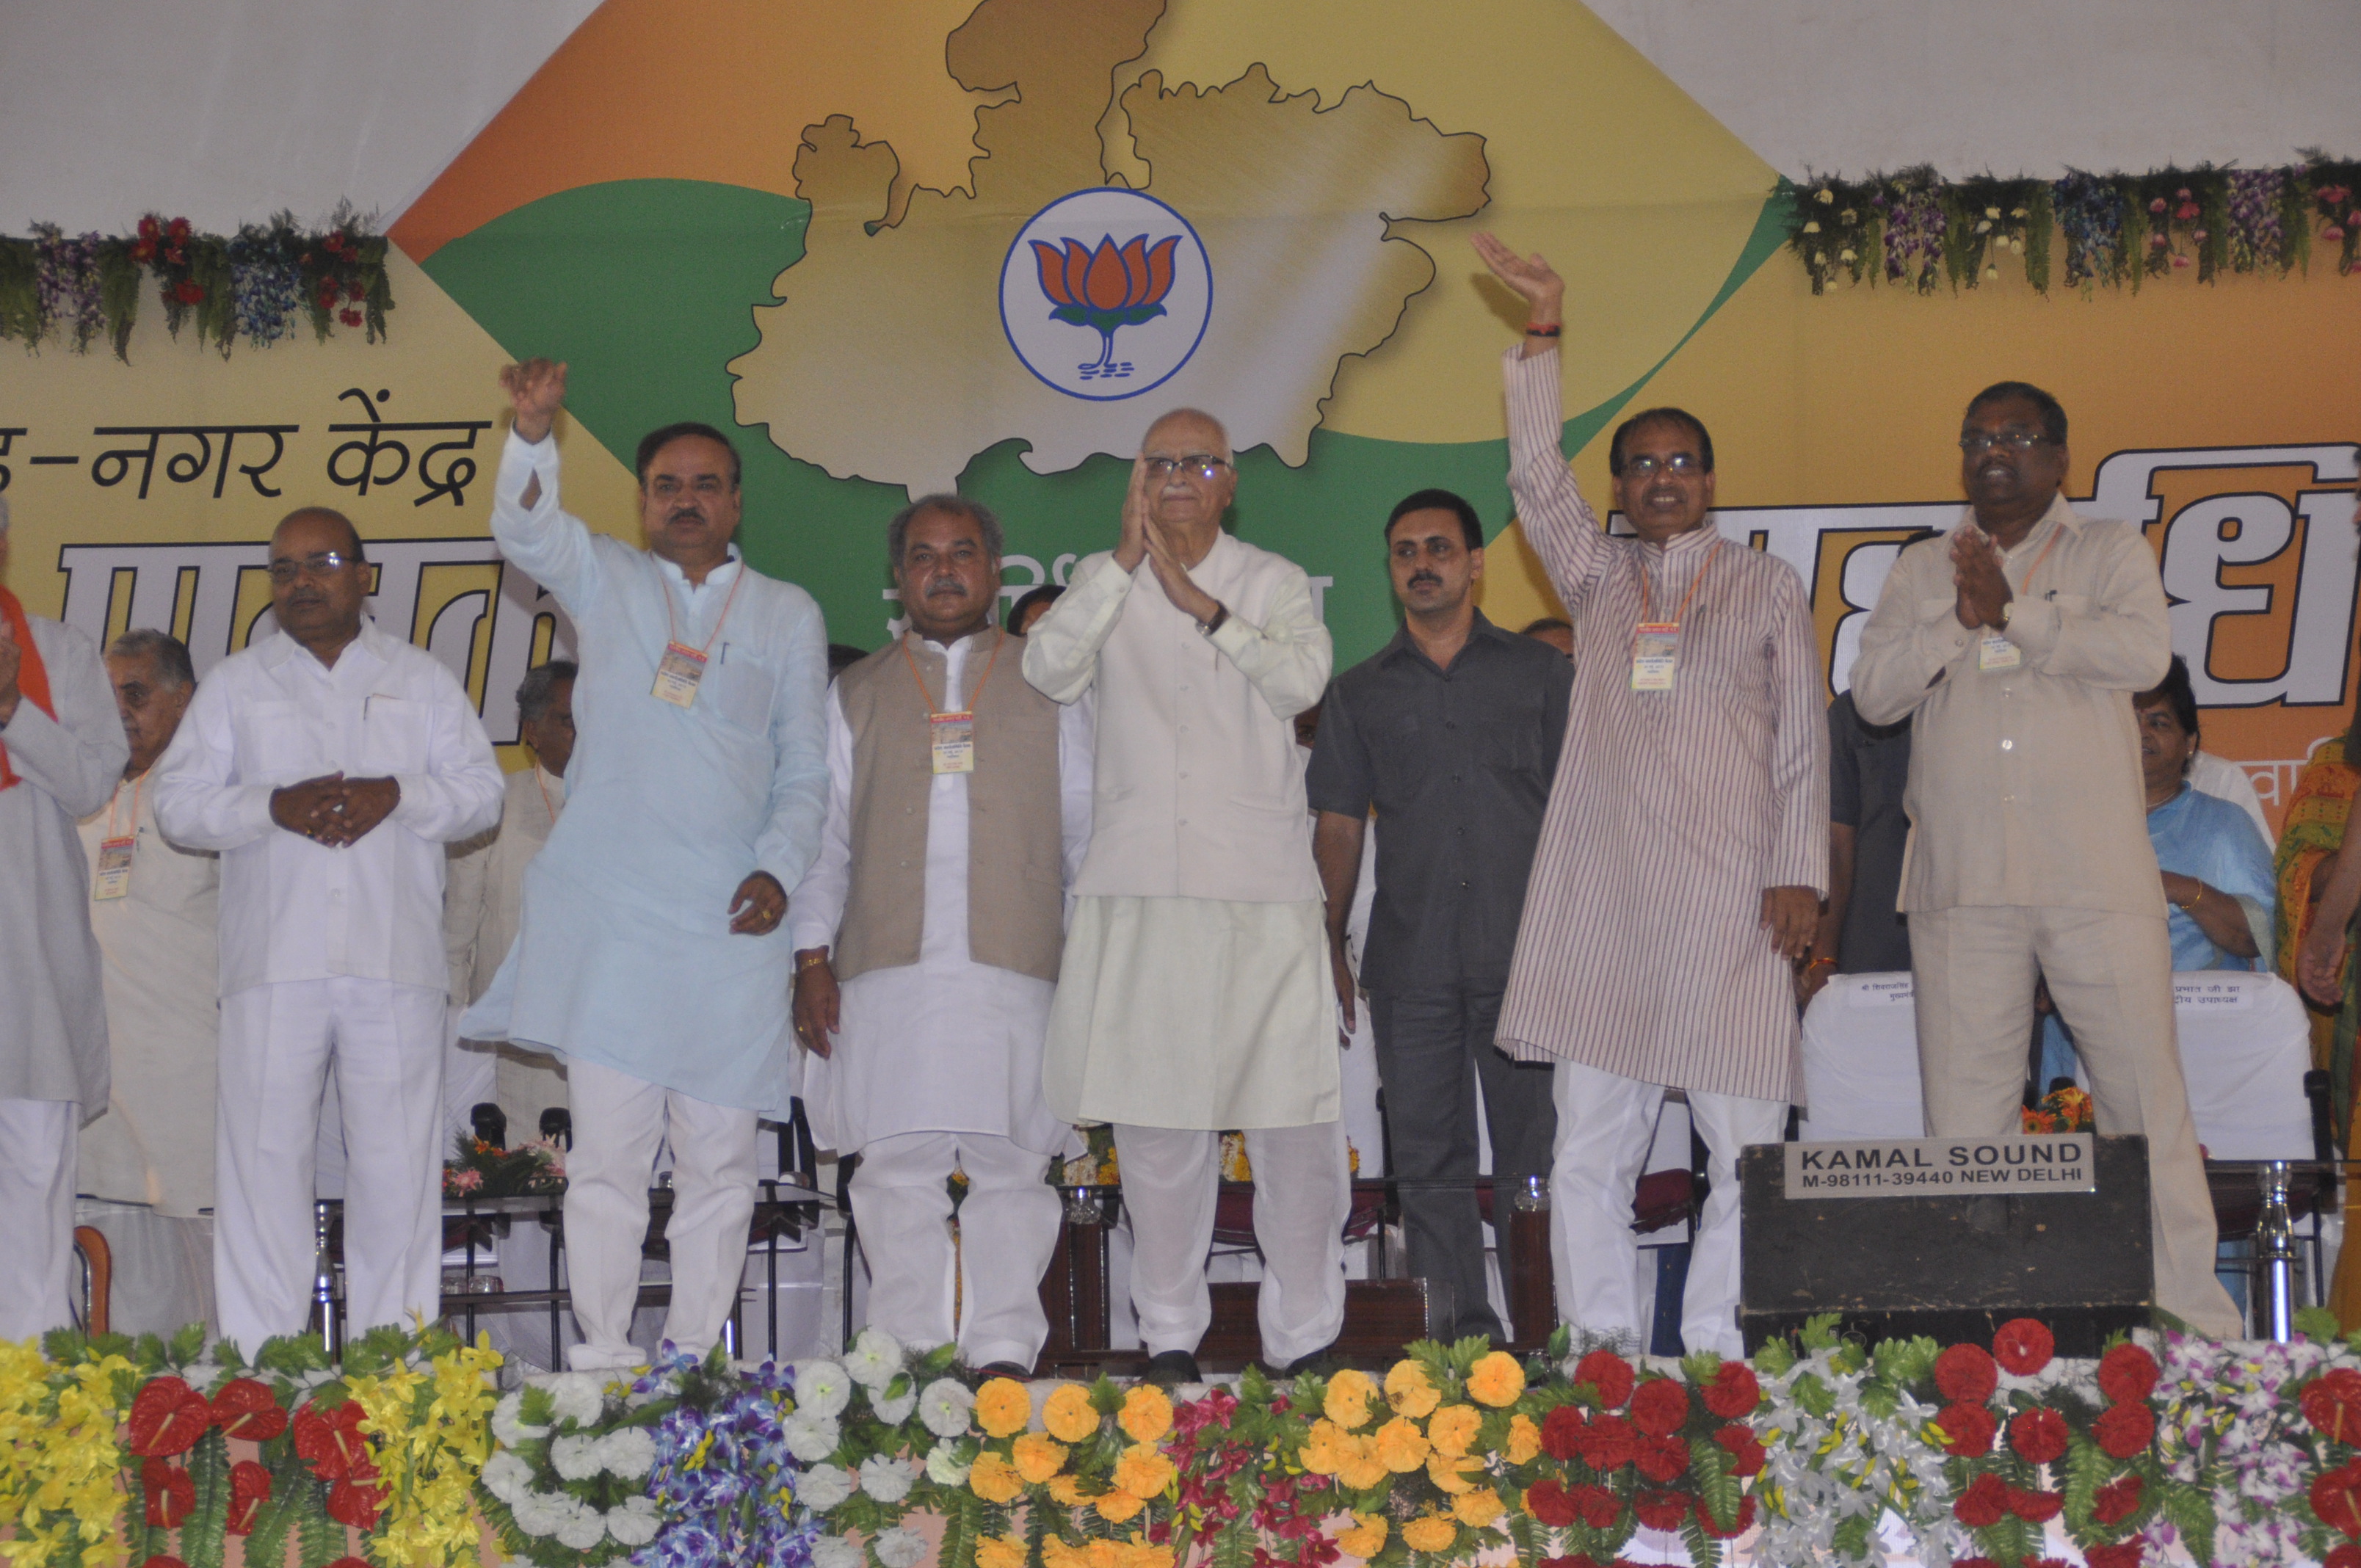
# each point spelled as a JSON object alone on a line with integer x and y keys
{"x": 1105, "y": 293}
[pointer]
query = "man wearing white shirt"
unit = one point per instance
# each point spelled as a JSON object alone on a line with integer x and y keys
{"x": 329, "y": 765}
{"x": 927, "y": 945}
{"x": 1194, "y": 992}
{"x": 648, "y": 953}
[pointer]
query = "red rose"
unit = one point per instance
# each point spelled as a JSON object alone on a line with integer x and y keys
{"x": 188, "y": 293}
{"x": 1609, "y": 1373}
{"x": 171, "y": 1493}
{"x": 1734, "y": 1391}
{"x": 351, "y": 1503}
{"x": 2128, "y": 1373}
{"x": 1663, "y": 1458}
{"x": 249, "y": 1489}
{"x": 1547, "y": 1501}
{"x": 1659, "y": 1407}
{"x": 1968, "y": 1430}
{"x": 2023, "y": 1346}
{"x": 2332, "y": 1402}
{"x": 2343, "y": 1555}
{"x": 2039, "y": 1435}
{"x": 1985, "y": 1504}
{"x": 1608, "y": 1444}
{"x": 2121, "y": 1554}
{"x": 167, "y": 1418}
{"x": 1595, "y": 1505}
{"x": 350, "y": 318}
{"x": 1738, "y": 1527}
{"x": 2034, "y": 1507}
{"x": 2336, "y": 1499}
{"x": 1744, "y": 1447}
{"x": 1662, "y": 1510}
{"x": 2123, "y": 1431}
{"x": 1966, "y": 1374}
{"x": 2119, "y": 1499}
{"x": 246, "y": 1409}
{"x": 1563, "y": 1432}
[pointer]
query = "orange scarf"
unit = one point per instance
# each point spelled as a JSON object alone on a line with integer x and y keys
{"x": 32, "y": 676}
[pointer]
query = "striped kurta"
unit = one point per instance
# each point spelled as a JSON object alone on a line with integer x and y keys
{"x": 1642, "y": 950}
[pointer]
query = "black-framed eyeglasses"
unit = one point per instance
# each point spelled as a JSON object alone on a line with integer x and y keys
{"x": 1680, "y": 464}
{"x": 1200, "y": 463}
{"x": 1975, "y": 443}
{"x": 283, "y": 572}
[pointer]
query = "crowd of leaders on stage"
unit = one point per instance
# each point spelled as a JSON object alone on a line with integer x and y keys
{"x": 1007, "y": 875}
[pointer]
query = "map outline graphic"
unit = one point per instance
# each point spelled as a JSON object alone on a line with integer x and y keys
{"x": 1020, "y": 244}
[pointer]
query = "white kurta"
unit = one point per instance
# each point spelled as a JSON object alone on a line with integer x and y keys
{"x": 481, "y": 905}
{"x": 155, "y": 1143}
{"x": 52, "y": 1011}
{"x": 946, "y": 1044}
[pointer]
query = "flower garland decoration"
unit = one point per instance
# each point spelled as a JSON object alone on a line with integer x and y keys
{"x": 427, "y": 1405}
{"x": 724, "y": 1487}
{"x": 567, "y": 1483}
{"x": 2066, "y": 1110}
{"x": 535, "y": 1167}
{"x": 250, "y": 286}
{"x": 60, "y": 1453}
{"x": 1915, "y": 228}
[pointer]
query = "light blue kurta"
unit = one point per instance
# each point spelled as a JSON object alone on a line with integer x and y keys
{"x": 623, "y": 955}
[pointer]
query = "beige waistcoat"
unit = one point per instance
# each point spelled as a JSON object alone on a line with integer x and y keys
{"x": 1015, "y": 889}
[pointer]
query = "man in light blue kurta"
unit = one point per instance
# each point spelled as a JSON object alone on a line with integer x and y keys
{"x": 648, "y": 953}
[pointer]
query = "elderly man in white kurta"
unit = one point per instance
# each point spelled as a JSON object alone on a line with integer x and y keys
{"x": 1195, "y": 995}
{"x": 649, "y": 955}
{"x": 61, "y": 749}
{"x": 328, "y": 763}
{"x": 926, "y": 941}
{"x": 1685, "y": 848}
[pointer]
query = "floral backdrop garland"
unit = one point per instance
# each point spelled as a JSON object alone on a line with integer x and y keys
{"x": 254, "y": 285}
{"x": 1920, "y": 230}
{"x": 154, "y": 1454}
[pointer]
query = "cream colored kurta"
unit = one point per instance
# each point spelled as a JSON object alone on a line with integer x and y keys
{"x": 161, "y": 971}
{"x": 481, "y": 903}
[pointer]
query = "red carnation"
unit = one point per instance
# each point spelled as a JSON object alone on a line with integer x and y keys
{"x": 2119, "y": 1499}
{"x": 2034, "y": 1507}
{"x": 2023, "y": 1346}
{"x": 1738, "y": 1527}
{"x": 1663, "y": 1458}
{"x": 2123, "y": 1431}
{"x": 352, "y": 1503}
{"x": 1662, "y": 1510}
{"x": 167, "y": 1418}
{"x": 2038, "y": 1434}
{"x": 246, "y": 1409}
{"x": 1547, "y": 1501}
{"x": 2332, "y": 1402}
{"x": 2336, "y": 1499}
{"x": 1609, "y": 1373}
{"x": 249, "y": 1489}
{"x": 2127, "y": 1373}
{"x": 1595, "y": 1505}
{"x": 2120, "y": 1554}
{"x": 1965, "y": 1374}
{"x": 1745, "y": 1448}
{"x": 1608, "y": 1444}
{"x": 1734, "y": 1391}
{"x": 2343, "y": 1555}
{"x": 1968, "y": 1430}
{"x": 171, "y": 1493}
{"x": 1563, "y": 1432}
{"x": 1985, "y": 1504}
{"x": 1659, "y": 1407}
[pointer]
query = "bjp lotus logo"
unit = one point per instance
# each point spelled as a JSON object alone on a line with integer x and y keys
{"x": 1156, "y": 283}
{"x": 1106, "y": 289}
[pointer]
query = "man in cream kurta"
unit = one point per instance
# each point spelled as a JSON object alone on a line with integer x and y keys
{"x": 1194, "y": 995}
{"x": 2014, "y": 644}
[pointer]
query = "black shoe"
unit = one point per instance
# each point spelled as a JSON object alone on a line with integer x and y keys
{"x": 1167, "y": 1367}
{"x": 992, "y": 1369}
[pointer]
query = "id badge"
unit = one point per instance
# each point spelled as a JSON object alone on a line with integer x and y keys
{"x": 1995, "y": 652}
{"x": 677, "y": 674}
{"x": 114, "y": 879}
{"x": 952, "y": 738}
{"x": 1655, "y": 649}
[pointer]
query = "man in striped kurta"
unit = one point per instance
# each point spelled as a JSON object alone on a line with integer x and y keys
{"x": 1685, "y": 851}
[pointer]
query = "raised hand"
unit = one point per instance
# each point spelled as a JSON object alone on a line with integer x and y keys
{"x": 536, "y": 391}
{"x": 1983, "y": 584}
{"x": 1172, "y": 575}
{"x": 1532, "y": 277}
{"x": 1132, "y": 545}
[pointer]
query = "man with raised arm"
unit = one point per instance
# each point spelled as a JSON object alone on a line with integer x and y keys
{"x": 650, "y": 954}
{"x": 1194, "y": 994}
{"x": 2014, "y": 644}
{"x": 1686, "y": 847}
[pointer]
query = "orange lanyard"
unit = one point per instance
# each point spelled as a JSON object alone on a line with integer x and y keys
{"x": 118, "y": 795}
{"x": 1648, "y": 602}
{"x": 2058, "y": 534}
{"x": 928, "y": 698}
{"x": 544, "y": 792}
{"x": 672, "y": 627}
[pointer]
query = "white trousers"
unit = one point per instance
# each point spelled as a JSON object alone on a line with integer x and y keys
{"x": 1303, "y": 1193}
{"x": 2111, "y": 975}
{"x": 1008, "y": 1231}
{"x": 37, "y": 1139}
{"x": 1605, "y": 1123}
{"x": 278, "y": 1042}
{"x": 618, "y": 1121}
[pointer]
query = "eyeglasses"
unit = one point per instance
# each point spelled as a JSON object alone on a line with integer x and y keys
{"x": 1975, "y": 443}
{"x": 1202, "y": 463}
{"x": 1646, "y": 464}
{"x": 285, "y": 572}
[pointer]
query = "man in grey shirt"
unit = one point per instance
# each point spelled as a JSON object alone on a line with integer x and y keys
{"x": 1451, "y": 731}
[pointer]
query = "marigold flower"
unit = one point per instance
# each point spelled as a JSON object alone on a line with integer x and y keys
{"x": 1066, "y": 1491}
{"x": 2023, "y": 1346}
{"x": 1595, "y": 1506}
{"x": 1495, "y": 1380}
{"x": 1401, "y": 1446}
{"x": 994, "y": 1478}
{"x": 1003, "y": 1407}
{"x": 1966, "y": 1374}
{"x": 2123, "y": 1431}
{"x": 1118, "y": 1506}
{"x": 1140, "y": 1553}
{"x": 1146, "y": 1413}
{"x": 2128, "y": 1372}
{"x": 1659, "y": 1407}
{"x": 1662, "y": 1510}
{"x": 1366, "y": 1538}
{"x": 1450, "y": 1473}
{"x": 2118, "y": 1499}
{"x": 1429, "y": 1533}
{"x": 2038, "y": 1434}
{"x": 1143, "y": 1470}
{"x": 1661, "y": 1458}
{"x": 1738, "y": 1527}
{"x": 1734, "y": 1391}
{"x": 1547, "y": 1501}
{"x": 1037, "y": 1456}
{"x": 1478, "y": 1508}
{"x": 2118, "y": 1555}
{"x": 1347, "y": 1402}
{"x": 1361, "y": 1469}
{"x": 1001, "y": 1552}
{"x": 1068, "y": 1414}
{"x": 1453, "y": 1428}
{"x": 1968, "y": 1430}
{"x": 1056, "y": 1554}
{"x": 1409, "y": 1390}
{"x": 1326, "y": 1448}
{"x": 1524, "y": 1440}
{"x": 1609, "y": 1374}
{"x": 1985, "y": 1504}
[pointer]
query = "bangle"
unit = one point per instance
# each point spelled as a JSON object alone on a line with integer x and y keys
{"x": 2191, "y": 906}
{"x": 811, "y": 959}
{"x": 1818, "y": 962}
{"x": 1553, "y": 330}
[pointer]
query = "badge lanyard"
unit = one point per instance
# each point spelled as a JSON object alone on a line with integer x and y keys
{"x": 114, "y": 877}
{"x": 1993, "y": 649}
{"x": 682, "y": 667}
{"x": 1656, "y": 644}
{"x": 951, "y": 736}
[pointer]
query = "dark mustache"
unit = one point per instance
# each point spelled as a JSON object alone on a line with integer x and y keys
{"x": 1417, "y": 577}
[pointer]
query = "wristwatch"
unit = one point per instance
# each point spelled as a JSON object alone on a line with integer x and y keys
{"x": 1221, "y": 614}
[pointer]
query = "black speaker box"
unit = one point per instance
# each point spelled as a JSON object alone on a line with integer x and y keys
{"x": 1954, "y": 1266}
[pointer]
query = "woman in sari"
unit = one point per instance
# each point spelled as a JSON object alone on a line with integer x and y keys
{"x": 2319, "y": 888}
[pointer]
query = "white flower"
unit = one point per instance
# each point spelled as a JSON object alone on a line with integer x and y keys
{"x": 578, "y": 1395}
{"x": 895, "y": 1410}
{"x": 875, "y": 1360}
{"x": 583, "y": 1528}
{"x": 539, "y": 1513}
{"x": 835, "y": 1551}
{"x": 509, "y": 1424}
{"x": 634, "y": 1523}
{"x": 574, "y": 1457}
{"x": 901, "y": 1547}
{"x": 821, "y": 1387}
{"x": 809, "y": 1438}
{"x": 507, "y": 1477}
{"x": 628, "y": 1453}
{"x": 823, "y": 1486}
{"x": 945, "y": 1467}
{"x": 886, "y": 1479}
{"x": 944, "y": 1406}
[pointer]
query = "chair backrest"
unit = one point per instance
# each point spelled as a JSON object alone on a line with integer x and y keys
{"x": 2245, "y": 1047}
{"x": 1861, "y": 1060}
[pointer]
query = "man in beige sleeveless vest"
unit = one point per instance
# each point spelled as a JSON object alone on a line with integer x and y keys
{"x": 927, "y": 935}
